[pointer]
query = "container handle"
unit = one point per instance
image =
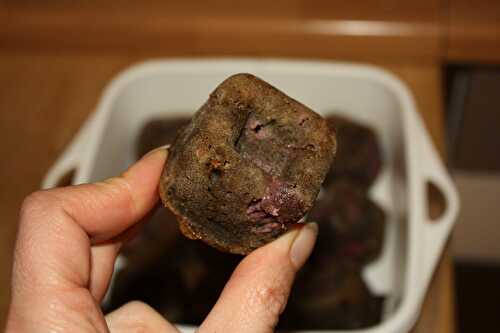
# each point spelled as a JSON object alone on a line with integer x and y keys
{"x": 70, "y": 159}
{"x": 435, "y": 231}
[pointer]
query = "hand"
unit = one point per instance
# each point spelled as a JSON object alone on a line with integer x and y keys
{"x": 68, "y": 241}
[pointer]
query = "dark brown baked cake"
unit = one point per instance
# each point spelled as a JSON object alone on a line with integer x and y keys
{"x": 182, "y": 282}
{"x": 160, "y": 234}
{"x": 156, "y": 283}
{"x": 159, "y": 132}
{"x": 248, "y": 165}
{"x": 329, "y": 296}
{"x": 202, "y": 298}
{"x": 350, "y": 223}
{"x": 358, "y": 155}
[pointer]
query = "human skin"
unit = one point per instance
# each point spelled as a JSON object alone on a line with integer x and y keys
{"x": 68, "y": 241}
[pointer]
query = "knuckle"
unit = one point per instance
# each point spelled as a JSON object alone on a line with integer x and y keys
{"x": 37, "y": 205}
{"x": 39, "y": 211}
{"x": 120, "y": 185}
{"x": 139, "y": 326}
{"x": 137, "y": 306}
{"x": 118, "y": 181}
{"x": 272, "y": 299}
{"x": 140, "y": 317}
{"x": 33, "y": 202}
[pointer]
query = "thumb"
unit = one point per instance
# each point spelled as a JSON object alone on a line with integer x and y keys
{"x": 258, "y": 290}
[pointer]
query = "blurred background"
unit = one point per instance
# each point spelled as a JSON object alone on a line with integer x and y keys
{"x": 56, "y": 56}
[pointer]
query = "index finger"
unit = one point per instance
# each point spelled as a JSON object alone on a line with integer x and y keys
{"x": 58, "y": 226}
{"x": 54, "y": 266}
{"x": 103, "y": 209}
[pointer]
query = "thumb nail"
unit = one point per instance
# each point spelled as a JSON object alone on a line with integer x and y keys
{"x": 303, "y": 244}
{"x": 159, "y": 149}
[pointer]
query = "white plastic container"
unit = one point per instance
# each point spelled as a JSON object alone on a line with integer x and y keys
{"x": 105, "y": 146}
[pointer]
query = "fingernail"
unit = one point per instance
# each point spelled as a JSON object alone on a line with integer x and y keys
{"x": 303, "y": 244}
{"x": 162, "y": 148}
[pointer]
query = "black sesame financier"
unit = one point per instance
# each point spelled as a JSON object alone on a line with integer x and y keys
{"x": 248, "y": 166}
{"x": 359, "y": 156}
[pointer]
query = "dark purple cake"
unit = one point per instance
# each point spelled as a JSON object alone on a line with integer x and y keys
{"x": 358, "y": 156}
{"x": 350, "y": 223}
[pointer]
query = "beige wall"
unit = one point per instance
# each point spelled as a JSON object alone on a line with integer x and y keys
{"x": 477, "y": 233}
